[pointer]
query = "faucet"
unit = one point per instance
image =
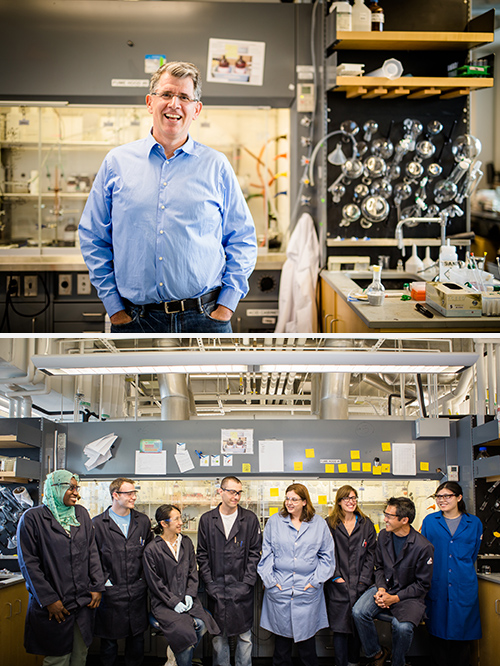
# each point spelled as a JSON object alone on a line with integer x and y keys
{"x": 413, "y": 221}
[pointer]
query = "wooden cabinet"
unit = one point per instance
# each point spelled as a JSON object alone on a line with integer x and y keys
{"x": 489, "y": 607}
{"x": 336, "y": 315}
{"x": 13, "y": 606}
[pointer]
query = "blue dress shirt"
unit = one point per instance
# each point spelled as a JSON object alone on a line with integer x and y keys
{"x": 157, "y": 229}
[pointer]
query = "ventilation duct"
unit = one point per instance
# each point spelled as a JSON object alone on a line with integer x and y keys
{"x": 174, "y": 396}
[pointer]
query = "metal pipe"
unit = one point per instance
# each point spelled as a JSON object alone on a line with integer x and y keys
{"x": 174, "y": 397}
{"x": 490, "y": 360}
{"x": 480, "y": 383}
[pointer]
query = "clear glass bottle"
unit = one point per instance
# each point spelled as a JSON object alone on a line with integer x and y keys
{"x": 376, "y": 290}
{"x": 377, "y": 15}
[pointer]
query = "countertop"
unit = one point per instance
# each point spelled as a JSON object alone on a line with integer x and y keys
{"x": 10, "y": 579}
{"x": 64, "y": 259}
{"x": 396, "y": 314}
{"x": 493, "y": 577}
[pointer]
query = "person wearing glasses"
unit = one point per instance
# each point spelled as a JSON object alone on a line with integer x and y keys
{"x": 355, "y": 540}
{"x": 59, "y": 561}
{"x": 452, "y": 603}
{"x": 172, "y": 577}
{"x": 121, "y": 535}
{"x": 403, "y": 573}
{"x": 298, "y": 557}
{"x": 229, "y": 549}
{"x": 166, "y": 233}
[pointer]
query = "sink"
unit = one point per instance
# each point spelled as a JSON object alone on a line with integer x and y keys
{"x": 392, "y": 280}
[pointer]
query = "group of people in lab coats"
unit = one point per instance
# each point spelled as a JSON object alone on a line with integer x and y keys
{"x": 91, "y": 578}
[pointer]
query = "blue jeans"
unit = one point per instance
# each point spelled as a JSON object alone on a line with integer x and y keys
{"x": 185, "y": 657}
{"x": 365, "y": 610}
{"x": 158, "y": 321}
{"x": 243, "y": 654}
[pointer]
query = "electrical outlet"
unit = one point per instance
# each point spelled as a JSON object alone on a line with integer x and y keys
{"x": 65, "y": 284}
{"x": 30, "y": 285}
{"x": 83, "y": 284}
{"x": 13, "y": 285}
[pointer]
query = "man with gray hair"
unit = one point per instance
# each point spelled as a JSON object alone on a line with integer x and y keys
{"x": 166, "y": 233}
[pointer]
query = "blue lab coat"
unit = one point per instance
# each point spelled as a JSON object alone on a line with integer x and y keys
{"x": 452, "y": 602}
{"x": 294, "y": 559}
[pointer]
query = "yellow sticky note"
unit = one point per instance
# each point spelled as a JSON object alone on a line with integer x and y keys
{"x": 322, "y": 499}
{"x": 274, "y": 492}
{"x": 355, "y": 455}
{"x": 424, "y": 467}
{"x": 386, "y": 468}
{"x": 377, "y": 471}
{"x": 386, "y": 446}
{"x": 356, "y": 467}
{"x": 309, "y": 453}
{"x": 377, "y": 528}
{"x": 329, "y": 469}
{"x": 343, "y": 468}
{"x": 367, "y": 467}
{"x": 298, "y": 466}
{"x": 246, "y": 467}
{"x": 273, "y": 510}
{"x": 231, "y": 50}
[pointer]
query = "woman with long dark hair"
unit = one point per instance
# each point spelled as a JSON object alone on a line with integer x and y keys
{"x": 297, "y": 558}
{"x": 452, "y": 602}
{"x": 355, "y": 540}
{"x": 172, "y": 577}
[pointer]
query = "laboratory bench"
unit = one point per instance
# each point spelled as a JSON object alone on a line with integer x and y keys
{"x": 340, "y": 315}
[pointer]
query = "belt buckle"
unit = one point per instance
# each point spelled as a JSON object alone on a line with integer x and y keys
{"x": 179, "y": 309}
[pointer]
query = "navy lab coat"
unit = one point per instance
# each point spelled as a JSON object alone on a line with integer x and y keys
{"x": 124, "y": 606}
{"x": 57, "y": 566}
{"x": 452, "y": 602}
{"x": 169, "y": 581}
{"x": 409, "y": 576}
{"x": 228, "y": 567}
{"x": 354, "y": 558}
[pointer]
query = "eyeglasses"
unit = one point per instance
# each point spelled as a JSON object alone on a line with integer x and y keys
{"x": 349, "y": 499}
{"x": 290, "y": 500}
{"x": 233, "y": 493}
{"x": 68, "y": 486}
{"x": 169, "y": 96}
{"x": 130, "y": 493}
{"x": 444, "y": 498}
{"x": 390, "y": 515}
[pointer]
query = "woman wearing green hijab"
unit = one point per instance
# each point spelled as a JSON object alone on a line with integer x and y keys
{"x": 61, "y": 566}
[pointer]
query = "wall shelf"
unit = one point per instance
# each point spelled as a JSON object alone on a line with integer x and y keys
{"x": 11, "y": 442}
{"x": 411, "y": 41}
{"x": 413, "y": 87}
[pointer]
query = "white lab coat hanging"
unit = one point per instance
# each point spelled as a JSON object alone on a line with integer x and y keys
{"x": 299, "y": 278}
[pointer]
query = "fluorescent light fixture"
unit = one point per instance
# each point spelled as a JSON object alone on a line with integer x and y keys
{"x": 220, "y": 362}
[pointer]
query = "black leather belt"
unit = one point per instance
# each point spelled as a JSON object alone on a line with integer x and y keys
{"x": 173, "y": 307}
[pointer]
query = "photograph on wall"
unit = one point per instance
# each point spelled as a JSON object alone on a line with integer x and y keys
{"x": 236, "y": 61}
{"x": 236, "y": 441}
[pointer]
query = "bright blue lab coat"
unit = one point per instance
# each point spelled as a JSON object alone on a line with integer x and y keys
{"x": 294, "y": 559}
{"x": 452, "y": 602}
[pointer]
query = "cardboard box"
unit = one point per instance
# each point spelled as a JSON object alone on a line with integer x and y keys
{"x": 453, "y": 300}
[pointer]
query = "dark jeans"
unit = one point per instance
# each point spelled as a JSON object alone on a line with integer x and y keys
{"x": 134, "y": 650}
{"x": 158, "y": 321}
{"x": 449, "y": 653}
{"x": 283, "y": 651}
{"x": 347, "y": 648}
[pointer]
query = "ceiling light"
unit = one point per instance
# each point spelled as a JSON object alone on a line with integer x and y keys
{"x": 220, "y": 362}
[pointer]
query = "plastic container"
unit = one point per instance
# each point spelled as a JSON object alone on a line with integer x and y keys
{"x": 391, "y": 69}
{"x": 418, "y": 291}
{"x": 429, "y": 264}
{"x": 414, "y": 263}
{"x": 344, "y": 15}
{"x": 483, "y": 453}
{"x": 361, "y": 17}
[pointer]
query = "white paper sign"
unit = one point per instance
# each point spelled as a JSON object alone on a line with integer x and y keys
{"x": 236, "y": 61}
{"x": 271, "y": 455}
{"x": 151, "y": 463}
{"x": 404, "y": 459}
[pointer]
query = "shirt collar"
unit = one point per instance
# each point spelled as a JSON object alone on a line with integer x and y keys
{"x": 188, "y": 147}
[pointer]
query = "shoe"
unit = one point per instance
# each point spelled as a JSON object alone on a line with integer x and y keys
{"x": 379, "y": 661}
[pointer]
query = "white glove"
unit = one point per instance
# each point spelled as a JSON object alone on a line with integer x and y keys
{"x": 180, "y": 608}
{"x": 188, "y": 602}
